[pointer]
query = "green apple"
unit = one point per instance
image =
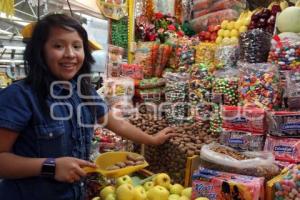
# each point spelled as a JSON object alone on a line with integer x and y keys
{"x": 140, "y": 193}
{"x": 106, "y": 191}
{"x": 124, "y": 179}
{"x": 158, "y": 193}
{"x": 125, "y": 192}
{"x": 187, "y": 192}
{"x": 110, "y": 196}
{"x": 176, "y": 189}
{"x": 174, "y": 197}
{"x": 148, "y": 185}
{"x": 163, "y": 179}
{"x": 183, "y": 198}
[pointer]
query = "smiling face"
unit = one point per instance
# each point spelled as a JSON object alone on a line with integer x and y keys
{"x": 64, "y": 53}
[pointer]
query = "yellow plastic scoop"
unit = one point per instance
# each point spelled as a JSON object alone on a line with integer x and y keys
{"x": 105, "y": 160}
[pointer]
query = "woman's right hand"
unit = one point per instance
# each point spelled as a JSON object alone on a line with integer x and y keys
{"x": 69, "y": 169}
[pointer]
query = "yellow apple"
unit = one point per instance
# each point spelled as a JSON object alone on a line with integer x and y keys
{"x": 110, "y": 196}
{"x": 243, "y": 29}
{"x": 148, "y": 185}
{"x": 96, "y": 198}
{"x": 140, "y": 193}
{"x": 106, "y": 191}
{"x": 224, "y": 24}
{"x": 176, "y": 189}
{"x": 163, "y": 179}
{"x": 201, "y": 198}
{"x": 125, "y": 192}
{"x": 187, "y": 192}
{"x": 124, "y": 179}
{"x": 158, "y": 193}
{"x": 174, "y": 197}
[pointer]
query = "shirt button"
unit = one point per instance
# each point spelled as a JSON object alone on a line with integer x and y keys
{"x": 51, "y": 135}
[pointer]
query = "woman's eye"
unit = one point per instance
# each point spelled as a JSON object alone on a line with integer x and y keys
{"x": 77, "y": 46}
{"x": 58, "y": 46}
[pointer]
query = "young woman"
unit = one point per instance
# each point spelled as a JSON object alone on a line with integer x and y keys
{"x": 46, "y": 120}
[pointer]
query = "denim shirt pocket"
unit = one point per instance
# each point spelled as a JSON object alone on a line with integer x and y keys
{"x": 51, "y": 139}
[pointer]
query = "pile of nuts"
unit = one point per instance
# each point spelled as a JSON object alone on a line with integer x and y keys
{"x": 171, "y": 156}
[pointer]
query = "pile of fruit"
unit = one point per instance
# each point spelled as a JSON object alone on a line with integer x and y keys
{"x": 210, "y": 35}
{"x": 231, "y": 30}
{"x": 159, "y": 188}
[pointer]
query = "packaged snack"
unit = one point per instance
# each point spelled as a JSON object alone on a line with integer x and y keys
{"x": 155, "y": 95}
{"x": 242, "y": 141}
{"x": 219, "y": 157}
{"x": 247, "y": 119}
{"x": 284, "y": 149}
{"x": 115, "y": 55}
{"x": 164, "y": 53}
{"x": 151, "y": 83}
{"x": 259, "y": 85}
{"x": 217, "y": 185}
{"x": 255, "y": 45}
{"x": 227, "y": 56}
{"x": 205, "y": 53}
{"x": 284, "y": 123}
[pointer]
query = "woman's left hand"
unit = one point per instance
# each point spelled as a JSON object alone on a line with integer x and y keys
{"x": 163, "y": 135}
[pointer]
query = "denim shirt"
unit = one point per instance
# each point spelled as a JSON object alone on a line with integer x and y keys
{"x": 63, "y": 133}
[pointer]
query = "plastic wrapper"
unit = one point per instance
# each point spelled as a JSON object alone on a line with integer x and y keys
{"x": 205, "y": 53}
{"x": 227, "y": 56}
{"x": 255, "y": 46}
{"x": 113, "y": 9}
{"x": 146, "y": 56}
{"x": 151, "y": 83}
{"x": 285, "y": 52}
{"x": 219, "y": 157}
{"x": 155, "y": 95}
{"x": 214, "y": 5}
{"x": 214, "y": 18}
{"x": 246, "y": 119}
{"x": 292, "y": 88}
{"x": 164, "y": 53}
{"x": 115, "y": 55}
{"x": 217, "y": 185}
{"x": 226, "y": 86}
{"x": 176, "y": 95}
{"x": 285, "y": 186}
{"x": 284, "y": 123}
{"x": 133, "y": 71}
{"x": 200, "y": 84}
{"x": 284, "y": 149}
{"x": 186, "y": 56}
{"x": 215, "y": 119}
{"x": 259, "y": 85}
{"x": 242, "y": 141}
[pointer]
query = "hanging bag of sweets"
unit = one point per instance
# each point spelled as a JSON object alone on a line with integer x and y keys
{"x": 113, "y": 9}
{"x": 227, "y": 56}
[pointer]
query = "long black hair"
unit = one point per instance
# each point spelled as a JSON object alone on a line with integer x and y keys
{"x": 36, "y": 69}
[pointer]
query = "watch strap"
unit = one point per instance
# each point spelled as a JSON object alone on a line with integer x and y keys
{"x": 48, "y": 168}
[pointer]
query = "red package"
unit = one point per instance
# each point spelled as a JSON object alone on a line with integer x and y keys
{"x": 284, "y": 149}
{"x": 240, "y": 118}
{"x": 132, "y": 70}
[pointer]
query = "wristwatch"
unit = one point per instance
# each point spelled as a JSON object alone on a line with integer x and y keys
{"x": 48, "y": 168}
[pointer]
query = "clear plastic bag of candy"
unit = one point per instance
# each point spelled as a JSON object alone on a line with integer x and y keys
{"x": 177, "y": 87}
{"x": 285, "y": 51}
{"x": 225, "y": 84}
{"x": 255, "y": 46}
{"x": 223, "y": 158}
{"x": 227, "y": 56}
{"x": 259, "y": 85}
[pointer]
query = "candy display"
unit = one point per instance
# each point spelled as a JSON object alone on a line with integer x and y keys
{"x": 242, "y": 141}
{"x": 215, "y": 120}
{"x": 205, "y": 53}
{"x": 284, "y": 123}
{"x": 164, "y": 54}
{"x": 227, "y": 56}
{"x": 151, "y": 83}
{"x": 284, "y": 149}
{"x": 115, "y": 55}
{"x": 218, "y": 185}
{"x": 285, "y": 52}
{"x": 119, "y": 32}
{"x": 219, "y": 157}
{"x": 259, "y": 85}
{"x": 255, "y": 45}
{"x": 132, "y": 70}
{"x": 226, "y": 85}
{"x": 246, "y": 119}
{"x": 285, "y": 186}
{"x": 292, "y": 89}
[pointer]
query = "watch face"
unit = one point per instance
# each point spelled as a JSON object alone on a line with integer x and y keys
{"x": 48, "y": 169}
